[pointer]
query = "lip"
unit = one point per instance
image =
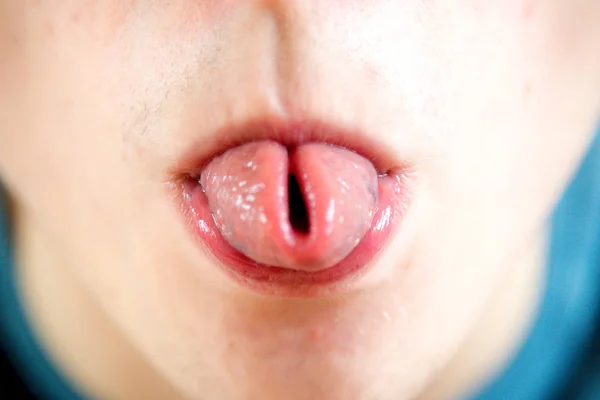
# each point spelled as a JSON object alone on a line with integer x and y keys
{"x": 283, "y": 282}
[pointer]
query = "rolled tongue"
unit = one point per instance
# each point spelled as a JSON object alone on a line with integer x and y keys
{"x": 304, "y": 208}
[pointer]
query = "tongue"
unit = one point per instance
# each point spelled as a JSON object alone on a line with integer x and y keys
{"x": 304, "y": 208}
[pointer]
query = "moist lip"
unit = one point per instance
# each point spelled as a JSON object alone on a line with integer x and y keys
{"x": 289, "y": 133}
{"x": 393, "y": 192}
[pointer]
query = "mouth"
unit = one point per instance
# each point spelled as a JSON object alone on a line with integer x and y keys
{"x": 294, "y": 209}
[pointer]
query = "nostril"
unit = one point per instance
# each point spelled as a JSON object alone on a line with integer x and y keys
{"x": 298, "y": 213}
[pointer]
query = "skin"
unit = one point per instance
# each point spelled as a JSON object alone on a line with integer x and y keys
{"x": 492, "y": 102}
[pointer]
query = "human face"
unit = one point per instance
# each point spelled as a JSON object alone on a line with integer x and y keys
{"x": 490, "y": 103}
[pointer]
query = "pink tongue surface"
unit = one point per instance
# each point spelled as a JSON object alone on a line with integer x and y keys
{"x": 304, "y": 208}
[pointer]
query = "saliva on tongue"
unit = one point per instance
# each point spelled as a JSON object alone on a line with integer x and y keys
{"x": 303, "y": 208}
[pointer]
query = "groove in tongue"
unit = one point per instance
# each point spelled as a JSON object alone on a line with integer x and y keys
{"x": 304, "y": 208}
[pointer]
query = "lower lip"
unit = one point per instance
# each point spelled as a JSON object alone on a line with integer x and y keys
{"x": 284, "y": 282}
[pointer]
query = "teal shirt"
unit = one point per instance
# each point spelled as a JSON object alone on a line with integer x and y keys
{"x": 560, "y": 356}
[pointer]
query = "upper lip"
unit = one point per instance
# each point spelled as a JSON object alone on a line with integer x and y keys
{"x": 289, "y": 133}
